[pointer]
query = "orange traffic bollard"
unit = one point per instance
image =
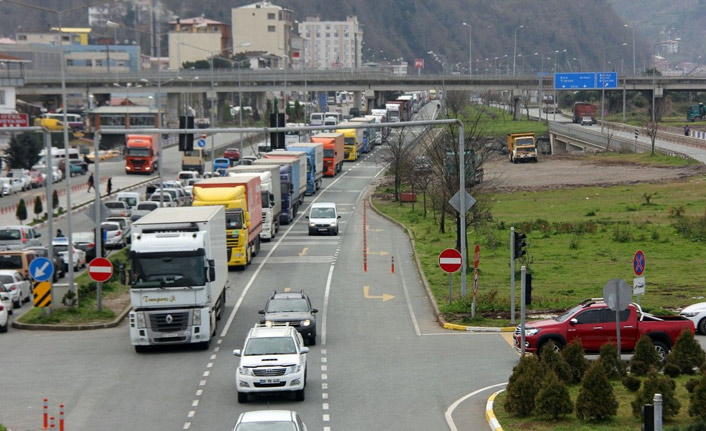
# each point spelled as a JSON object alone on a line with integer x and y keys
{"x": 393, "y": 264}
{"x": 46, "y": 414}
{"x": 61, "y": 417}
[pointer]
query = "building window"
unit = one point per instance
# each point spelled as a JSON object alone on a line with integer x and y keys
{"x": 2, "y": 97}
{"x": 122, "y": 63}
{"x": 271, "y": 28}
{"x": 88, "y": 63}
{"x": 112, "y": 120}
{"x": 270, "y": 16}
{"x": 22, "y": 37}
{"x": 328, "y": 34}
{"x": 66, "y": 38}
{"x": 69, "y": 62}
{"x": 215, "y": 29}
{"x": 143, "y": 121}
{"x": 99, "y": 63}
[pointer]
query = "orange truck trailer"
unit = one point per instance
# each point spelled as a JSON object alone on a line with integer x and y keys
{"x": 142, "y": 156}
{"x": 333, "y": 152}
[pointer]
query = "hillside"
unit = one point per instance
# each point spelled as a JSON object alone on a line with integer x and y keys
{"x": 410, "y": 28}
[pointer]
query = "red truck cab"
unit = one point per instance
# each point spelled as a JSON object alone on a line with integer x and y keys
{"x": 594, "y": 323}
{"x": 142, "y": 154}
{"x": 584, "y": 109}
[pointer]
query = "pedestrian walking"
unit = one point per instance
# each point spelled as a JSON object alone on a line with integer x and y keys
{"x": 109, "y": 186}
{"x": 687, "y": 129}
{"x": 91, "y": 184}
{"x": 59, "y": 233}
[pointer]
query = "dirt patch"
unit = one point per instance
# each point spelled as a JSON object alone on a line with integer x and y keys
{"x": 554, "y": 172}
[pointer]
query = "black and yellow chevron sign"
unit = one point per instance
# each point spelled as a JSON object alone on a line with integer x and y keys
{"x": 42, "y": 294}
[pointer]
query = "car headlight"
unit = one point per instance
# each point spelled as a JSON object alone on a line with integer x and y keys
{"x": 532, "y": 331}
{"x": 312, "y": 224}
{"x": 306, "y": 322}
{"x": 140, "y": 320}
{"x": 689, "y": 313}
{"x": 294, "y": 369}
{"x": 269, "y": 323}
{"x": 197, "y": 317}
{"x": 245, "y": 371}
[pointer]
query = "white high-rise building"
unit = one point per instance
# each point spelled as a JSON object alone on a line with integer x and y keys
{"x": 331, "y": 44}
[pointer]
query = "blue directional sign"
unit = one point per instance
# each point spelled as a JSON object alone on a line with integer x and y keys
{"x": 607, "y": 79}
{"x": 322, "y": 101}
{"x": 41, "y": 269}
{"x": 201, "y": 143}
{"x": 575, "y": 81}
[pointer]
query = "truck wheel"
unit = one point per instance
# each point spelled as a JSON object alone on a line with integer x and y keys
{"x": 661, "y": 349}
{"x": 204, "y": 345}
{"x": 702, "y": 326}
{"x": 242, "y": 397}
{"x": 558, "y": 345}
{"x": 299, "y": 395}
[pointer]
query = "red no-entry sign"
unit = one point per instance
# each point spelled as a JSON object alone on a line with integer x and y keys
{"x": 450, "y": 260}
{"x": 100, "y": 269}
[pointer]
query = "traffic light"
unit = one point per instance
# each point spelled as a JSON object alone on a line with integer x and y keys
{"x": 186, "y": 140}
{"x": 520, "y": 245}
{"x": 528, "y": 289}
{"x": 277, "y": 138}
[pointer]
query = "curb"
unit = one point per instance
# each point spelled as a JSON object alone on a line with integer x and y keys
{"x": 82, "y": 327}
{"x": 456, "y": 327}
{"x": 490, "y": 415}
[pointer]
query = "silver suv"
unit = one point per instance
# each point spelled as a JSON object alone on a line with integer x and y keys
{"x": 273, "y": 359}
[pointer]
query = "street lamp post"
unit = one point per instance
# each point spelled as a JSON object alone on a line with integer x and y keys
{"x": 470, "y": 49}
{"x": 556, "y": 104}
{"x": 514, "y": 55}
{"x": 603, "y": 84}
{"x": 633, "y": 47}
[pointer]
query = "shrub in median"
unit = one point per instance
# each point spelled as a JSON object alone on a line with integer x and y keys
{"x": 608, "y": 358}
{"x": 697, "y": 399}
{"x": 687, "y": 354}
{"x": 657, "y": 384}
{"x": 631, "y": 383}
{"x": 553, "y": 399}
{"x": 646, "y": 354}
{"x": 555, "y": 362}
{"x": 574, "y": 357}
{"x": 525, "y": 383}
{"x": 596, "y": 401}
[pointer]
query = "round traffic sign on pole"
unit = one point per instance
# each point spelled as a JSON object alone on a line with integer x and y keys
{"x": 450, "y": 260}
{"x": 100, "y": 269}
{"x": 638, "y": 262}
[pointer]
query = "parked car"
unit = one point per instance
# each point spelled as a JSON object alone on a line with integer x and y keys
{"x": 269, "y": 420}
{"x": 37, "y": 178}
{"x": 18, "y": 237}
{"x": 142, "y": 209}
{"x": 190, "y": 191}
{"x": 56, "y": 260}
{"x": 220, "y": 165}
{"x": 179, "y": 199}
{"x": 78, "y": 256}
{"x": 164, "y": 199}
{"x": 232, "y": 154}
{"x": 697, "y": 314}
{"x": 586, "y": 121}
{"x": 86, "y": 241}
{"x": 6, "y": 301}
{"x": 10, "y": 186}
{"x": 17, "y": 259}
{"x": 118, "y": 208}
{"x": 57, "y": 174}
{"x": 114, "y": 235}
{"x": 19, "y": 287}
{"x": 185, "y": 175}
{"x": 293, "y": 308}
{"x": 4, "y": 311}
{"x": 248, "y": 160}
{"x": 23, "y": 176}
{"x": 130, "y": 198}
{"x": 77, "y": 167}
{"x": 125, "y": 226}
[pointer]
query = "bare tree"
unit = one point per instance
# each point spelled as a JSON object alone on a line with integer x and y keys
{"x": 399, "y": 154}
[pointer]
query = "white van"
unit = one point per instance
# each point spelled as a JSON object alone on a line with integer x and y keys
{"x": 316, "y": 119}
{"x": 130, "y": 198}
{"x": 323, "y": 218}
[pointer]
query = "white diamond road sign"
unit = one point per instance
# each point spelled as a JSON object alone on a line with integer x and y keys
{"x": 455, "y": 201}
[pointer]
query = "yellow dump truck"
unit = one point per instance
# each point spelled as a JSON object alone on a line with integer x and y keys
{"x": 522, "y": 147}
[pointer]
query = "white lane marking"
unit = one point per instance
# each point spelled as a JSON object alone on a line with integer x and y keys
{"x": 213, "y": 357}
{"x": 449, "y": 412}
{"x": 262, "y": 265}
{"x": 191, "y": 413}
{"x": 187, "y": 425}
{"x": 407, "y": 298}
{"x": 202, "y": 383}
{"x": 324, "y": 386}
{"x": 327, "y": 418}
{"x": 206, "y": 373}
{"x": 323, "y": 360}
{"x": 324, "y": 368}
{"x": 199, "y": 392}
{"x": 209, "y": 365}
{"x": 324, "y": 395}
{"x": 324, "y": 314}
{"x": 325, "y": 406}
{"x": 195, "y": 403}
{"x": 324, "y": 377}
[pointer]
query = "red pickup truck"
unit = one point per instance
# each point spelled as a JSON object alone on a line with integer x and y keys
{"x": 593, "y": 322}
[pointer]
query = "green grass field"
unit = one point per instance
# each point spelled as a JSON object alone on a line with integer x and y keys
{"x": 622, "y": 422}
{"x": 579, "y": 238}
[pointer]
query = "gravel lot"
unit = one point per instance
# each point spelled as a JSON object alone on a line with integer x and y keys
{"x": 553, "y": 172}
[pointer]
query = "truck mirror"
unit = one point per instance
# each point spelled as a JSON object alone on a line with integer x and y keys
{"x": 291, "y": 188}
{"x": 272, "y": 199}
{"x": 574, "y": 321}
{"x": 261, "y": 311}
{"x": 236, "y": 352}
{"x": 211, "y": 270}
{"x": 307, "y": 217}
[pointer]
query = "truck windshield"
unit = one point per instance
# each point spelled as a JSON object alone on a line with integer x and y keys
{"x": 234, "y": 220}
{"x": 349, "y": 141}
{"x": 270, "y": 346}
{"x": 524, "y": 142}
{"x": 138, "y": 152}
{"x": 168, "y": 269}
{"x": 328, "y": 154}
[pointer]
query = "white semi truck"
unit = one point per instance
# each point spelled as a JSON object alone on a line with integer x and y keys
{"x": 178, "y": 274}
{"x": 271, "y": 195}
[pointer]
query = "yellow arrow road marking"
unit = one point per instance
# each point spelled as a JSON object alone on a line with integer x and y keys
{"x": 287, "y": 289}
{"x": 378, "y": 253}
{"x": 367, "y": 227}
{"x": 384, "y": 296}
{"x": 304, "y": 251}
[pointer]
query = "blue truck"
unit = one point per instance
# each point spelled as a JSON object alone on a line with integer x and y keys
{"x": 289, "y": 182}
{"x": 314, "y": 166}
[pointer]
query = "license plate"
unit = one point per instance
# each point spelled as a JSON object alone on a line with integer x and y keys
{"x": 323, "y": 229}
{"x": 137, "y": 168}
{"x": 170, "y": 335}
{"x": 269, "y": 381}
